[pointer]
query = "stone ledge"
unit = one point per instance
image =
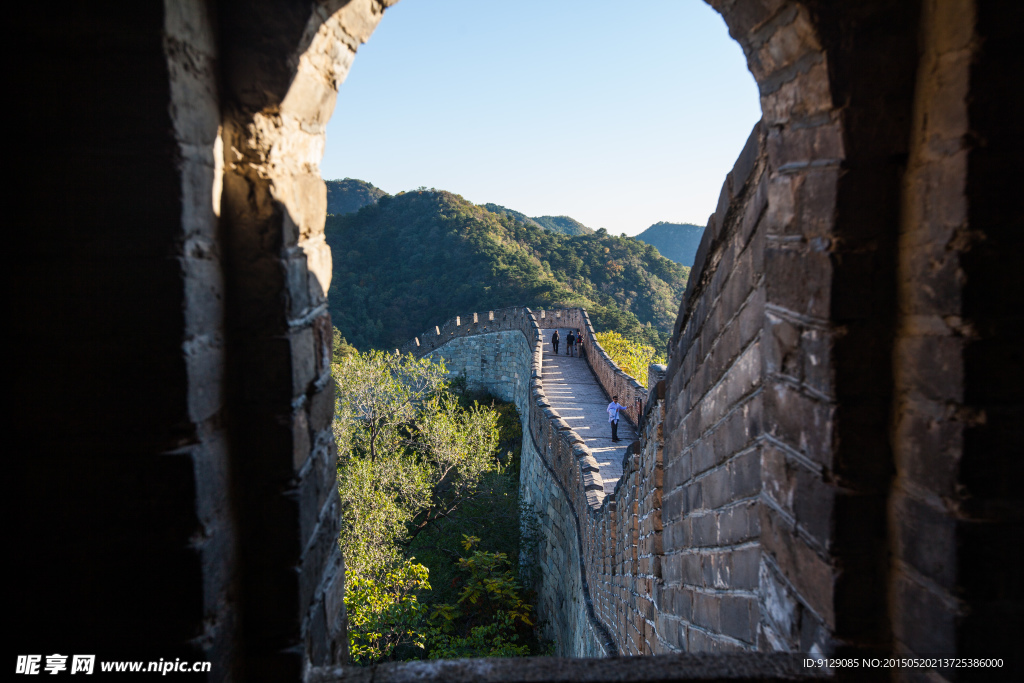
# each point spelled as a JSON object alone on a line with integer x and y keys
{"x": 682, "y": 667}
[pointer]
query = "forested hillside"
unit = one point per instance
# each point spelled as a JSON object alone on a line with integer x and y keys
{"x": 676, "y": 241}
{"x": 418, "y": 258}
{"x": 563, "y": 224}
{"x": 511, "y": 213}
{"x": 560, "y": 224}
{"x": 350, "y": 195}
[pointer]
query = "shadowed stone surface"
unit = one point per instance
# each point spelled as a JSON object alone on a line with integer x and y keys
{"x": 738, "y": 667}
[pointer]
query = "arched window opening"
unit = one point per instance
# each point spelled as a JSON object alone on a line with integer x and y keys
{"x": 821, "y": 465}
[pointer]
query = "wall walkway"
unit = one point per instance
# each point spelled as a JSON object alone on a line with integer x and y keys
{"x": 575, "y": 394}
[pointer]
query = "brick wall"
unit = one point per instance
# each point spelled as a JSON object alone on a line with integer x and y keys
{"x": 712, "y": 596}
{"x": 955, "y": 487}
{"x": 672, "y": 560}
{"x": 502, "y": 351}
{"x": 824, "y": 466}
{"x": 182, "y": 277}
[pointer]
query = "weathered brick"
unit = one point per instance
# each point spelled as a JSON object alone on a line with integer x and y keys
{"x": 737, "y": 615}
{"x": 799, "y": 280}
{"x": 743, "y": 566}
{"x": 800, "y": 421}
{"x": 812, "y": 576}
{"x": 706, "y": 611}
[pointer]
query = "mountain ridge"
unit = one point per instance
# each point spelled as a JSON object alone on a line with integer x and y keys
{"x": 409, "y": 260}
{"x": 675, "y": 241}
{"x": 565, "y": 225}
{"x": 350, "y": 194}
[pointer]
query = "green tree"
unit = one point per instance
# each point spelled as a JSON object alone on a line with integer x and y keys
{"x": 417, "y": 456}
{"x": 631, "y": 357}
{"x": 490, "y": 618}
{"x": 341, "y": 348}
{"x": 378, "y": 395}
{"x": 385, "y": 613}
{"x": 408, "y": 454}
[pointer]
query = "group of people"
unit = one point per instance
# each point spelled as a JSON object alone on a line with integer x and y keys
{"x": 574, "y": 347}
{"x": 573, "y": 343}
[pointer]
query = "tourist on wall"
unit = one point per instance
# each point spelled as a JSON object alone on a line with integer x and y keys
{"x": 614, "y": 408}
{"x": 570, "y": 343}
{"x": 554, "y": 341}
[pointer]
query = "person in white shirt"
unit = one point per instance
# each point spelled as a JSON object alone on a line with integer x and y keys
{"x": 613, "y": 416}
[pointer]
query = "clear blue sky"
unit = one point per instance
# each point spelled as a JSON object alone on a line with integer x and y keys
{"x": 617, "y": 114}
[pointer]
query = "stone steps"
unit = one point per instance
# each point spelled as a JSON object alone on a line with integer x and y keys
{"x": 574, "y": 392}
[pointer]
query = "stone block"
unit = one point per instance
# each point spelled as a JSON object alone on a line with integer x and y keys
{"x": 300, "y": 438}
{"x": 747, "y": 159}
{"x": 704, "y": 529}
{"x": 925, "y": 539}
{"x": 811, "y": 575}
{"x": 805, "y": 97}
{"x": 204, "y": 357}
{"x": 706, "y": 611}
{"x": 702, "y": 456}
{"x": 929, "y": 445}
{"x": 796, "y": 147}
{"x": 799, "y": 280}
{"x": 303, "y": 359}
{"x": 708, "y": 578}
{"x": 693, "y": 496}
{"x": 699, "y": 641}
{"x": 931, "y": 367}
{"x": 745, "y": 475}
{"x": 673, "y": 503}
{"x": 690, "y": 571}
{"x": 738, "y": 523}
{"x": 799, "y": 491}
{"x": 321, "y": 407}
{"x": 918, "y": 606}
{"x": 802, "y": 422}
{"x": 715, "y": 489}
{"x": 743, "y": 568}
{"x": 738, "y": 617}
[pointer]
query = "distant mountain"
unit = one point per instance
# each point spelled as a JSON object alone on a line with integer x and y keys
{"x": 417, "y": 258}
{"x": 563, "y": 225}
{"x": 350, "y": 195}
{"x": 503, "y": 211}
{"x": 676, "y": 241}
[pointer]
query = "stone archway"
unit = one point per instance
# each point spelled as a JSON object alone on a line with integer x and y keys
{"x": 184, "y": 257}
{"x": 822, "y": 240}
{"x": 838, "y": 94}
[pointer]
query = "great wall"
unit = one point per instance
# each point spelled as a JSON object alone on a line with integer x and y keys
{"x": 830, "y": 465}
{"x": 680, "y": 553}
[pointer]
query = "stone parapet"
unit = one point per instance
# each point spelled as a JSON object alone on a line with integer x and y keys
{"x": 483, "y": 322}
{"x": 599, "y": 554}
{"x": 501, "y": 351}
